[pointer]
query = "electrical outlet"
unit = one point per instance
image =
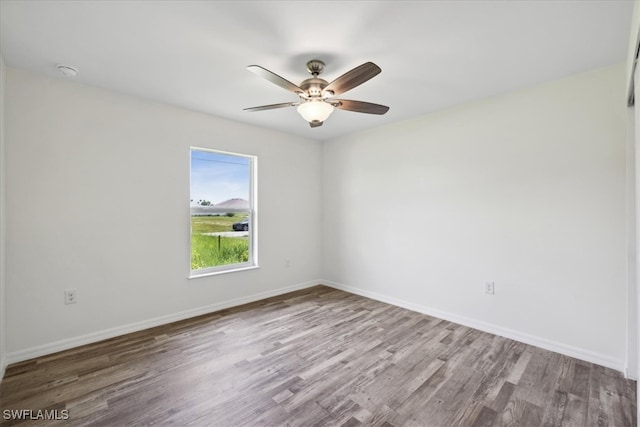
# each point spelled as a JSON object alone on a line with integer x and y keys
{"x": 70, "y": 296}
{"x": 489, "y": 288}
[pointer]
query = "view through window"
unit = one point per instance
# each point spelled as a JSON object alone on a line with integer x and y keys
{"x": 222, "y": 214}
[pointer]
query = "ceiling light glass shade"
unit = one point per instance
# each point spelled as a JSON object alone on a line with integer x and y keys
{"x": 315, "y": 110}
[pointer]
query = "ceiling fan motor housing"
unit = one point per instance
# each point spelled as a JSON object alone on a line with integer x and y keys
{"x": 314, "y": 86}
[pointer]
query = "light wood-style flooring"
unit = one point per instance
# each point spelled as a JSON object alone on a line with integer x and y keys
{"x": 317, "y": 357}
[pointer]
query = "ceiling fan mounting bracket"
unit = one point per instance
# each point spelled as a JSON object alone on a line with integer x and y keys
{"x": 315, "y": 67}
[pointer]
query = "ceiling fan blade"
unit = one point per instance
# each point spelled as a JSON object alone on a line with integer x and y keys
{"x": 272, "y": 106}
{"x": 315, "y": 123}
{"x": 359, "y": 106}
{"x": 274, "y": 78}
{"x": 353, "y": 78}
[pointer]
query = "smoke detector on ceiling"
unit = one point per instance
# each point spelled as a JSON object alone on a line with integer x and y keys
{"x": 68, "y": 71}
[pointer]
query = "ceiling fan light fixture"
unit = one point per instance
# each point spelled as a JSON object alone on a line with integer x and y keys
{"x": 315, "y": 110}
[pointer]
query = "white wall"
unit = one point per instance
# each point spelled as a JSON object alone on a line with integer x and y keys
{"x": 526, "y": 190}
{"x": 97, "y": 196}
{"x": 2, "y": 225}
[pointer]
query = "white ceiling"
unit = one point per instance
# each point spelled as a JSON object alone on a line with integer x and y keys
{"x": 433, "y": 54}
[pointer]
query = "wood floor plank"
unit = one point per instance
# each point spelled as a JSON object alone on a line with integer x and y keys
{"x": 317, "y": 357}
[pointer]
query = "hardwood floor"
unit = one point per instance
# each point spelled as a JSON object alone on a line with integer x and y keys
{"x": 317, "y": 357}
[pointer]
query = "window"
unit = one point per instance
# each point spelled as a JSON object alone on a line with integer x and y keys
{"x": 223, "y": 215}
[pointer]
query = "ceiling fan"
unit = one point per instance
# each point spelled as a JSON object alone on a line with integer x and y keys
{"x": 316, "y": 95}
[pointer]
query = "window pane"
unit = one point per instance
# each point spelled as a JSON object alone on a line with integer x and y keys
{"x": 221, "y": 210}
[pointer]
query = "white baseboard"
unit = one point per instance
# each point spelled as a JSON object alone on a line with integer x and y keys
{"x": 53, "y": 347}
{"x": 631, "y": 371}
{"x": 567, "y": 350}
{"x": 3, "y": 366}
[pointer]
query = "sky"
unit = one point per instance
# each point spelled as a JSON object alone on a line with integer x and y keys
{"x": 218, "y": 177}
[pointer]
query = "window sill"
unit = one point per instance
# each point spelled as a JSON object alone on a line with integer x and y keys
{"x": 196, "y": 275}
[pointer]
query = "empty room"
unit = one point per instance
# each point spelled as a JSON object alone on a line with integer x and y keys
{"x": 319, "y": 213}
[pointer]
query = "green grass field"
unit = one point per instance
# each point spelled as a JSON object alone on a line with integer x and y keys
{"x": 205, "y": 251}
{"x": 214, "y": 224}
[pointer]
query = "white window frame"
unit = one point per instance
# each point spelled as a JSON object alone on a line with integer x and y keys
{"x": 252, "y": 263}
